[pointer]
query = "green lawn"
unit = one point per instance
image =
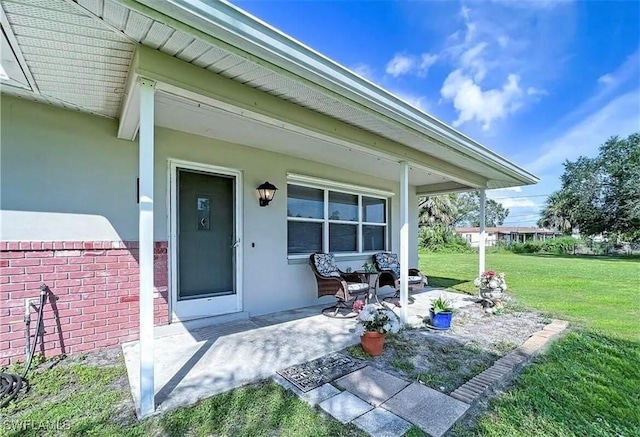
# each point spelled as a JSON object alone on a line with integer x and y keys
{"x": 596, "y": 292}
{"x": 587, "y": 383}
{"x": 87, "y": 400}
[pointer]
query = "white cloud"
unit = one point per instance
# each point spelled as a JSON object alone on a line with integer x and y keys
{"x": 428, "y": 60}
{"x": 621, "y": 116}
{"x": 472, "y": 60}
{"x": 363, "y": 70}
{"x": 400, "y": 64}
{"x": 534, "y": 4}
{"x": 491, "y": 57}
{"x": 606, "y": 79}
{"x": 417, "y": 101}
{"x": 532, "y": 91}
{"x": 403, "y": 63}
{"x": 498, "y": 190}
{"x": 608, "y": 85}
{"x": 518, "y": 202}
{"x": 474, "y": 103}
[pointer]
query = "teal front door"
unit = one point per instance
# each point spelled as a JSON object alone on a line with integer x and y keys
{"x": 206, "y": 244}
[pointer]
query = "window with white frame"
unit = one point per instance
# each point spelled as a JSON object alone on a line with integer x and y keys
{"x": 334, "y": 220}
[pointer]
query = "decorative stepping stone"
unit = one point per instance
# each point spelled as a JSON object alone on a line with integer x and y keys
{"x": 431, "y": 411}
{"x": 372, "y": 385}
{"x": 382, "y": 423}
{"x": 312, "y": 397}
{"x": 345, "y": 407}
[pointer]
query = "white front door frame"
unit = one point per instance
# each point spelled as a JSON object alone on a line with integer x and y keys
{"x": 231, "y": 303}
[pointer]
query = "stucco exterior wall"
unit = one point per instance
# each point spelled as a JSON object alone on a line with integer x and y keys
{"x": 66, "y": 177}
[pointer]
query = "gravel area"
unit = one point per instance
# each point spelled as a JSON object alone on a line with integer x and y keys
{"x": 444, "y": 360}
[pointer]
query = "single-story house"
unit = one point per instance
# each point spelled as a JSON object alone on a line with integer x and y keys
{"x": 507, "y": 234}
{"x": 134, "y": 137}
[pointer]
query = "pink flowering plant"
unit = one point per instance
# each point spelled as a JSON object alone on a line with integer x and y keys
{"x": 490, "y": 280}
{"x": 376, "y": 318}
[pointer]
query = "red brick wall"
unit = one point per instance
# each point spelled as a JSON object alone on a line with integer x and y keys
{"x": 94, "y": 294}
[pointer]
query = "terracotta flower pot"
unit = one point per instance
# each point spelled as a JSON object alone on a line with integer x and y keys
{"x": 372, "y": 343}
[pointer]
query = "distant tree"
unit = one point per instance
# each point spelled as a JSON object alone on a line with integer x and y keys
{"x": 602, "y": 194}
{"x": 459, "y": 210}
{"x": 621, "y": 184}
{"x": 556, "y": 214}
{"x": 469, "y": 210}
{"x": 437, "y": 210}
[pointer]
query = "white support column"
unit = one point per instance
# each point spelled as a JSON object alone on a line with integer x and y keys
{"x": 404, "y": 241}
{"x": 145, "y": 260}
{"x": 483, "y": 232}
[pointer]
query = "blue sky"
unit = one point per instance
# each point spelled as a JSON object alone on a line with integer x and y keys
{"x": 537, "y": 81}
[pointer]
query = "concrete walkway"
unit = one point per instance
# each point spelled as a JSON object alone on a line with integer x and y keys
{"x": 203, "y": 362}
{"x": 384, "y": 405}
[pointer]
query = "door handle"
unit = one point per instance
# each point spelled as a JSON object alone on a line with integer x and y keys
{"x": 235, "y": 244}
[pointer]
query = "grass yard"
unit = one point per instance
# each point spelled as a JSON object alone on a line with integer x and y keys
{"x": 587, "y": 383}
{"x": 81, "y": 399}
{"x": 591, "y": 291}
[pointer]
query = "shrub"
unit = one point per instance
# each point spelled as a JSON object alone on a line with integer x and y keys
{"x": 439, "y": 238}
{"x": 560, "y": 245}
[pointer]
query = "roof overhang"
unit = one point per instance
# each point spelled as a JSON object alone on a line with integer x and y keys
{"x": 249, "y": 37}
{"x": 79, "y": 55}
{"x": 187, "y": 81}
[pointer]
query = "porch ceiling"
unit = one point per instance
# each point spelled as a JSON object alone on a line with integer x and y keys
{"x": 185, "y": 115}
{"x": 75, "y": 60}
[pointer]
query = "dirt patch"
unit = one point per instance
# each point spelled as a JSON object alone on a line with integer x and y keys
{"x": 444, "y": 360}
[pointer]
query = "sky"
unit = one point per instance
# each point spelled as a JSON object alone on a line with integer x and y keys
{"x": 537, "y": 81}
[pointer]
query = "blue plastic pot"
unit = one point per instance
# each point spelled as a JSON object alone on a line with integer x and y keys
{"x": 441, "y": 320}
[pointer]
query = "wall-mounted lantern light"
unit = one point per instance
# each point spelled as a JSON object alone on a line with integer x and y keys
{"x": 266, "y": 192}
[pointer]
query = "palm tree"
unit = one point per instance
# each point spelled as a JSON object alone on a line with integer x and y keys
{"x": 437, "y": 210}
{"x": 556, "y": 214}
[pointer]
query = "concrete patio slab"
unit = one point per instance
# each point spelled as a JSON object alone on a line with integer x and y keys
{"x": 382, "y": 423}
{"x": 212, "y": 360}
{"x": 197, "y": 363}
{"x": 372, "y": 385}
{"x": 345, "y": 407}
{"x": 431, "y": 411}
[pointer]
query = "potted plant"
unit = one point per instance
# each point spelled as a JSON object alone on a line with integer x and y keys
{"x": 441, "y": 313}
{"x": 491, "y": 285}
{"x": 374, "y": 321}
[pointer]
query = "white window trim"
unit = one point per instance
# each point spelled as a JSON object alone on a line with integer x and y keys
{"x": 313, "y": 182}
{"x": 326, "y": 186}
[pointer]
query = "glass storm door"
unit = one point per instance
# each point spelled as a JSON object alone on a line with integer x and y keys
{"x": 206, "y": 245}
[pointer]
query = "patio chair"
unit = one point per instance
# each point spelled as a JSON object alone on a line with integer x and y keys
{"x": 346, "y": 287}
{"x": 389, "y": 267}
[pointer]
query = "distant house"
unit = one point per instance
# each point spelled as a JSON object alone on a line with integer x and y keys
{"x": 508, "y": 234}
